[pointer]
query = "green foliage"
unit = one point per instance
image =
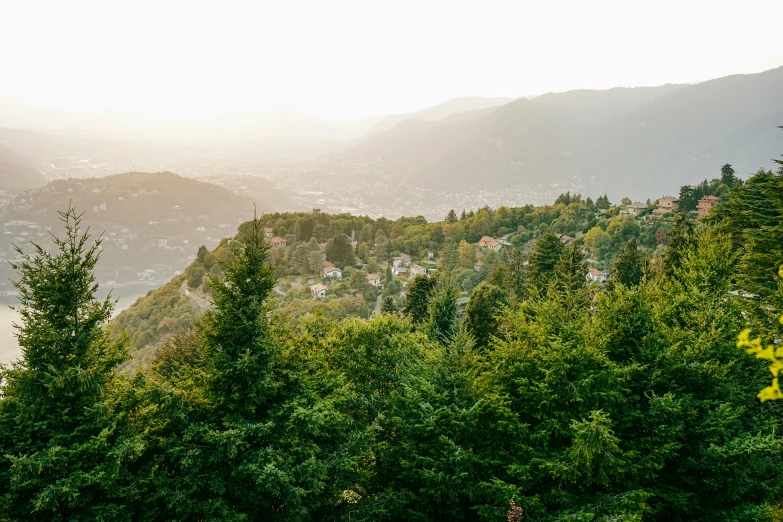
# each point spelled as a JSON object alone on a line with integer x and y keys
{"x": 61, "y": 440}
{"x": 442, "y": 314}
{"x": 420, "y": 290}
{"x": 544, "y": 259}
{"x": 481, "y": 313}
{"x": 339, "y": 251}
{"x": 627, "y": 268}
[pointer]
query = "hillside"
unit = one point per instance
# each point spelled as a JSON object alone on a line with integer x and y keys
{"x": 437, "y": 112}
{"x": 609, "y": 140}
{"x": 17, "y": 173}
{"x": 152, "y": 222}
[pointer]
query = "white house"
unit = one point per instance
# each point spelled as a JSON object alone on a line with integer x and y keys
{"x": 417, "y": 270}
{"x": 596, "y": 275}
{"x": 317, "y": 290}
{"x": 490, "y": 242}
{"x": 333, "y": 271}
{"x": 402, "y": 260}
{"x": 374, "y": 280}
{"x": 268, "y": 232}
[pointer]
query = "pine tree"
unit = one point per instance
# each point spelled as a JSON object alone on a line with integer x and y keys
{"x": 570, "y": 272}
{"x": 340, "y": 251}
{"x": 463, "y": 216}
{"x": 388, "y": 306}
{"x": 628, "y": 265}
{"x": 56, "y": 430}
{"x": 451, "y": 217}
{"x": 442, "y": 314}
{"x": 681, "y": 237}
{"x": 484, "y": 304}
{"x": 544, "y": 259}
{"x": 420, "y": 290}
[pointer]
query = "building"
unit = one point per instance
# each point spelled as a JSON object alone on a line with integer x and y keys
{"x": 666, "y": 204}
{"x": 400, "y": 271}
{"x": 333, "y": 271}
{"x": 318, "y": 291}
{"x": 706, "y": 204}
{"x": 277, "y": 242}
{"x": 268, "y": 232}
{"x": 417, "y": 270}
{"x": 478, "y": 265}
{"x": 374, "y": 280}
{"x": 636, "y": 209}
{"x": 596, "y": 275}
{"x": 490, "y": 242}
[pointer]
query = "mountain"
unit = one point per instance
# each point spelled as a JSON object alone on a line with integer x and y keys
{"x": 17, "y": 173}
{"x": 153, "y": 223}
{"x": 623, "y": 141}
{"x": 438, "y": 112}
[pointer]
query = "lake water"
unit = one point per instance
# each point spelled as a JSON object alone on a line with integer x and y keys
{"x": 9, "y": 348}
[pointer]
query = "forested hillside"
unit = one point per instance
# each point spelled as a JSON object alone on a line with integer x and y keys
{"x": 544, "y": 397}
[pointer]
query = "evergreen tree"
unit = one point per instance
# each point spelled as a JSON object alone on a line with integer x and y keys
{"x": 451, "y": 217}
{"x": 58, "y": 438}
{"x": 463, "y": 216}
{"x": 442, "y": 314}
{"x": 681, "y": 238}
{"x": 544, "y": 259}
{"x": 570, "y": 273}
{"x": 340, "y": 251}
{"x": 420, "y": 290}
{"x": 202, "y": 253}
{"x": 728, "y": 176}
{"x": 628, "y": 265}
{"x": 484, "y": 304}
{"x": 388, "y": 306}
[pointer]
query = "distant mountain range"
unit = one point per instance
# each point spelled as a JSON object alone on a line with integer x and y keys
{"x": 638, "y": 142}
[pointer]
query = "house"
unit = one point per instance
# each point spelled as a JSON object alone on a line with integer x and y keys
{"x": 478, "y": 265}
{"x": 490, "y": 242}
{"x": 333, "y": 271}
{"x": 277, "y": 242}
{"x": 268, "y": 232}
{"x": 706, "y": 204}
{"x": 417, "y": 270}
{"x": 596, "y": 275}
{"x": 565, "y": 239}
{"x": 636, "y": 209}
{"x": 327, "y": 264}
{"x": 667, "y": 204}
{"x": 374, "y": 280}
{"x": 402, "y": 260}
{"x": 430, "y": 255}
{"x": 318, "y": 290}
{"x": 400, "y": 271}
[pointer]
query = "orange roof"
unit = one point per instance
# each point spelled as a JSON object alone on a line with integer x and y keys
{"x": 267, "y": 229}
{"x": 328, "y": 264}
{"x": 373, "y": 276}
{"x": 277, "y": 240}
{"x": 318, "y": 288}
{"x": 596, "y": 273}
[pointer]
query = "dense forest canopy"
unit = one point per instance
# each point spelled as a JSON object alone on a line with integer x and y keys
{"x": 527, "y": 393}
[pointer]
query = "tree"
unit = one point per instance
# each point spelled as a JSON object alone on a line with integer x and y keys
{"x": 442, "y": 314}
{"x": 628, "y": 265}
{"x": 463, "y": 216}
{"x": 388, "y": 306}
{"x": 544, "y": 258}
{"x": 481, "y": 312}
{"x": 570, "y": 272}
{"x": 626, "y": 201}
{"x": 340, "y": 251}
{"x": 57, "y": 433}
{"x": 728, "y": 176}
{"x": 451, "y": 217}
{"x": 320, "y": 232}
{"x": 419, "y": 292}
{"x": 467, "y": 253}
{"x": 202, "y": 253}
{"x": 681, "y": 238}
{"x": 602, "y": 203}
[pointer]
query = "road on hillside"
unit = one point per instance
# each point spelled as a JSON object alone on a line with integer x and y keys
{"x": 378, "y": 305}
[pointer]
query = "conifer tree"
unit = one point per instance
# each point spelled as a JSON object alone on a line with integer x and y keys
{"x": 442, "y": 314}
{"x": 628, "y": 265}
{"x": 544, "y": 259}
{"x": 451, "y": 217}
{"x": 420, "y": 291}
{"x": 681, "y": 237}
{"x": 388, "y": 306}
{"x": 57, "y": 436}
{"x": 486, "y": 301}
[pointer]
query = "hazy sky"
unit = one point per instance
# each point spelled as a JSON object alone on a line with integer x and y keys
{"x": 352, "y": 59}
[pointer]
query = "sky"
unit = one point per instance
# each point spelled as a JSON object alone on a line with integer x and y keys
{"x": 347, "y": 60}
